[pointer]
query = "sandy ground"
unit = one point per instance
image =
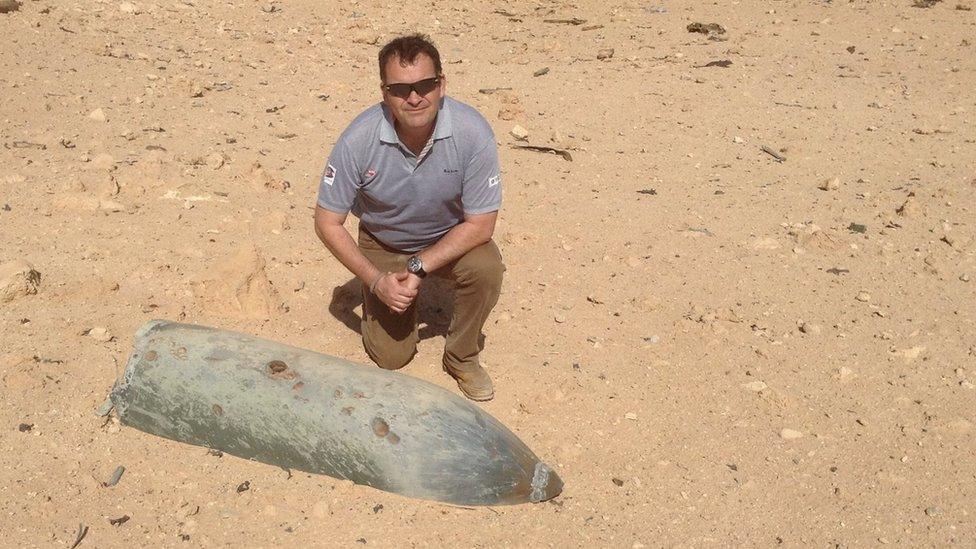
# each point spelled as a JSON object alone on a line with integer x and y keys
{"x": 709, "y": 348}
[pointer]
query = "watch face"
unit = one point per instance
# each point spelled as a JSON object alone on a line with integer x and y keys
{"x": 414, "y": 265}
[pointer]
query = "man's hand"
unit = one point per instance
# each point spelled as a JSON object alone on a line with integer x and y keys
{"x": 397, "y": 290}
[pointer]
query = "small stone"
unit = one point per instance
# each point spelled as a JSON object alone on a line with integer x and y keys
{"x": 215, "y": 161}
{"x": 738, "y": 139}
{"x": 810, "y": 328}
{"x": 964, "y": 277}
{"x": 844, "y": 373}
{"x": 9, "y": 5}
{"x": 617, "y": 481}
{"x": 754, "y": 386}
{"x": 933, "y": 511}
{"x": 863, "y": 297}
{"x": 910, "y": 208}
{"x": 559, "y": 319}
{"x": 97, "y": 115}
{"x": 520, "y": 133}
{"x": 966, "y": 384}
{"x": 128, "y": 7}
{"x": 102, "y": 161}
{"x": 321, "y": 509}
{"x": 631, "y": 416}
{"x": 100, "y": 334}
{"x": 831, "y": 184}
{"x": 604, "y": 54}
{"x": 17, "y": 278}
{"x": 790, "y": 434}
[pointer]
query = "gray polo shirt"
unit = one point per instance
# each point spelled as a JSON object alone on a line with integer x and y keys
{"x": 410, "y": 205}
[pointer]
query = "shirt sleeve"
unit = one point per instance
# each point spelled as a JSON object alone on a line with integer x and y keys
{"x": 481, "y": 190}
{"x": 340, "y": 180}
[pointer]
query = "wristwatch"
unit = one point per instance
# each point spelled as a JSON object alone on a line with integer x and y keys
{"x": 416, "y": 266}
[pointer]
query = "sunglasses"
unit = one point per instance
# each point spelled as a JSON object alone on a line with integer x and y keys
{"x": 422, "y": 87}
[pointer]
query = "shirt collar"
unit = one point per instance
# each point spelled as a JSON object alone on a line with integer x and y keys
{"x": 442, "y": 126}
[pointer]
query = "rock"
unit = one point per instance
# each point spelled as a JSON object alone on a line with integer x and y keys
{"x": 100, "y": 334}
{"x": 933, "y": 511}
{"x": 194, "y": 88}
{"x": 510, "y": 112}
{"x": 17, "y": 278}
{"x": 964, "y": 277}
{"x": 604, "y": 54}
{"x": 97, "y": 115}
{"x": 790, "y": 434}
{"x": 262, "y": 180}
{"x": 520, "y": 133}
{"x": 831, "y": 184}
{"x": 102, "y": 161}
{"x": 631, "y": 416}
{"x": 863, "y": 297}
{"x": 766, "y": 243}
{"x": 910, "y": 208}
{"x": 238, "y": 286}
{"x": 754, "y": 386}
{"x": 810, "y": 328}
{"x": 366, "y": 36}
{"x": 321, "y": 509}
{"x": 7, "y": 6}
{"x": 215, "y": 161}
{"x": 128, "y": 7}
{"x": 737, "y": 139}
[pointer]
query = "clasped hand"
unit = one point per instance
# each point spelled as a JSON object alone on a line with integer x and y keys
{"x": 398, "y": 290}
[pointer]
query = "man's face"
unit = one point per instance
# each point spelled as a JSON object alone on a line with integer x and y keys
{"x": 412, "y": 110}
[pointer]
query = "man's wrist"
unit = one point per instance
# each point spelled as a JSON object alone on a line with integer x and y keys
{"x": 376, "y": 280}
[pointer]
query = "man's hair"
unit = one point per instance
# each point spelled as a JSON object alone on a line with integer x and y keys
{"x": 406, "y": 49}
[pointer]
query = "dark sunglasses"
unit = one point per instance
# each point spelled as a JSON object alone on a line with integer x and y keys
{"x": 422, "y": 87}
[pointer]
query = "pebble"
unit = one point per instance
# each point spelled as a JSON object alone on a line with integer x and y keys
{"x": 863, "y": 297}
{"x": 100, "y": 334}
{"x": 98, "y": 115}
{"x": 321, "y": 509}
{"x": 810, "y": 328}
{"x": 933, "y": 511}
{"x": 559, "y": 319}
{"x": 631, "y": 416}
{"x": 215, "y": 161}
{"x": 964, "y": 277}
{"x": 790, "y": 434}
{"x": 831, "y": 184}
{"x": 520, "y": 133}
{"x": 966, "y": 384}
{"x": 738, "y": 139}
{"x": 9, "y": 5}
{"x": 17, "y": 278}
{"x": 128, "y": 7}
{"x": 755, "y": 386}
{"x": 604, "y": 54}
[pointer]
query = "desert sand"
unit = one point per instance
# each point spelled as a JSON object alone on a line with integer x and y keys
{"x": 712, "y": 343}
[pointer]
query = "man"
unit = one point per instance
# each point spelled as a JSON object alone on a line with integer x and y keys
{"x": 420, "y": 171}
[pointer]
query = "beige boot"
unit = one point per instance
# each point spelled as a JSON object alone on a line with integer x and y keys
{"x": 475, "y": 384}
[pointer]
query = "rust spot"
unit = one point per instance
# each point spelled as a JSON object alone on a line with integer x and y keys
{"x": 393, "y": 438}
{"x": 380, "y": 427}
{"x": 337, "y": 393}
{"x": 348, "y": 410}
{"x": 358, "y": 394}
{"x": 298, "y": 386}
{"x": 180, "y": 353}
{"x": 151, "y": 356}
{"x": 217, "y": 410}
{"x": 280, "y": 370}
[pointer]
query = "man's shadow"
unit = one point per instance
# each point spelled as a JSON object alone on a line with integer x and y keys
{"x": 435, "y": 306}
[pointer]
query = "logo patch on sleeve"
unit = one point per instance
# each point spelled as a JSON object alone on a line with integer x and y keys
{"x": 328, "y": 177}
{"x": 492, "y": 181}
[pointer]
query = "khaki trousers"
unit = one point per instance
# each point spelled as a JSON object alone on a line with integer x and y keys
{"x": 391, "y": 339}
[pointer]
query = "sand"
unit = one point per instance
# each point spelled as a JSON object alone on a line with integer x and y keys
{"x": 712, "y": 347}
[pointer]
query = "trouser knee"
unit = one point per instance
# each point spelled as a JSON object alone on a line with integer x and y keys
{"x": 390, "y": 357}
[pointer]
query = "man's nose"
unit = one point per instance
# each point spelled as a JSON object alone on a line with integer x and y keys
{"x": 414, "y": 98}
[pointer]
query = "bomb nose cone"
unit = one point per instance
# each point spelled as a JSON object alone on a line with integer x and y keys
{"x": 546, "y": 484}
